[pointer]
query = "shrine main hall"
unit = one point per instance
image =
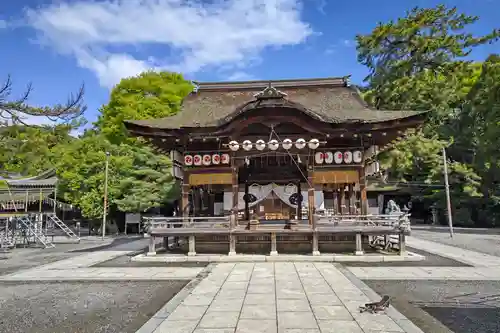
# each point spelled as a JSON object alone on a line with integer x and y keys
{"x": 273, "y": 158}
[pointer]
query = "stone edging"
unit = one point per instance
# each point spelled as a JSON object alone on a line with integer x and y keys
{"x": 152, "y": 324}
{"x": 407, "y": 325}
{"x": 410, "y": 257}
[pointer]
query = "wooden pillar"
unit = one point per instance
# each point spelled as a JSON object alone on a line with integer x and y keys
{"x": 55, "y": 201}
{"x": 40, "y": 202}
{"x": 336, "y": 202}
{"x": 362, "y": 189}
{"x": 235, "y": 189}
{"x": 247, "y": 209}
{"x": 299, "y": 202}
{"x": 342, "y": 205}
{"x": 211, "y": 201}
{"x": 310, "y": 198}
{"x": 185, "y": 199}
{"x": 352, "y": 200}
{"x": 26, "y": 202}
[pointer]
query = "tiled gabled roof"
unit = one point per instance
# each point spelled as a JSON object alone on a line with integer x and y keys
{"x": 330, "y": 100}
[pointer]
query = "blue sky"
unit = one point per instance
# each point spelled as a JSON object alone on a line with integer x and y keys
{"x": 57, "y": 45}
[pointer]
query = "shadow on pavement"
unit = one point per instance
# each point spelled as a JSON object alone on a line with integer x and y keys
{"x": 467, "y": 320}
{"x": 116, "y": 242}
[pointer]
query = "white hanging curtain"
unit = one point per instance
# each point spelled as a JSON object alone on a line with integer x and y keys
{"x": 260, "y": 192}
{"x": 319, "y": 200}
{"x": 284, "y": 193}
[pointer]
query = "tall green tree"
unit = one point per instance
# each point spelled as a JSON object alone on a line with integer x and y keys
{"x": 139, "y": 178}
{"x": 420, "y": 62}
{"x": 146, "y": 96}
{"x": 30, "y": 150}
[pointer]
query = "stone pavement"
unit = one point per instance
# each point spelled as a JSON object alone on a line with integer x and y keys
{"x": 275, "y": 298}
{"x": 427, "y": 273}
{"x": 459, "y": 254}
{"x": 485, "y": 266}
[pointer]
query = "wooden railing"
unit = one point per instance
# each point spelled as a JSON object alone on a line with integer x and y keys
{"x": 397, "y": 221}
{"x": 187, "y": 222}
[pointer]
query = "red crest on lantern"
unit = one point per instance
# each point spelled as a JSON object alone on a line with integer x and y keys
{"x": 188, "y": 160}
{"x": 225, "y": 158}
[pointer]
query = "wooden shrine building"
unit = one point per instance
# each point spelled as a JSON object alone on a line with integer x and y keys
{"x": 275, "y": 152}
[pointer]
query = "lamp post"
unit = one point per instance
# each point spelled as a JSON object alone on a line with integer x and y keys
{"x": 447, "y": 189}
{"x": 105, "y": 209}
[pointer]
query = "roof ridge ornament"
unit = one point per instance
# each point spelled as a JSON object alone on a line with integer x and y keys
{"x": 270, "y": 92}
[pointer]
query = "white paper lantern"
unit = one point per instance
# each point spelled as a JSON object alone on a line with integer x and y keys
{"x": 329, "y": 157}
{"x": 287, "y": 144}
{"x": 347, "y": 157}
{"x": 234, "y": 145}
{"x": 313, "y": 144}
{"x": 319, "y": 157}
{"x": 207, "y": 159}
{"x": 300, "y": 143}
{"x": 224, "y": 158}
{"x": 357, "y": 156}
{"x": 338, "y": 157}
{"x": 188, "y": 160}
{"x": 247, "y": 145}
{"x": 197, "y": 160}
{"x": 215, "y": 159}
{"x": 260, "y": 144}
{"x": 273, "y": 144}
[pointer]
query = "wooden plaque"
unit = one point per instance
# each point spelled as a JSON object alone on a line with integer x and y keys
{"x": 335, "y": 177}
{"x": 210, "y": 178}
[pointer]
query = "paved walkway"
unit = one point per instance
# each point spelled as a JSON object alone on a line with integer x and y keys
{"x": 459, "y": 254}
{"x": 485, "y": 266}
{"x": 276, "y": 297}
{"x": 427, "y": 273}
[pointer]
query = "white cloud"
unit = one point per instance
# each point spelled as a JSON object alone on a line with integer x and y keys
{"x": 240, "y": 76}
{"x": 223, "y": 33}
{"x": 3, "y": 24}
{"x": 349, "y": 43}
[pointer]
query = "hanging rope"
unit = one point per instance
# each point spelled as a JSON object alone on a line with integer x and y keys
{"x": 291, "y": 157}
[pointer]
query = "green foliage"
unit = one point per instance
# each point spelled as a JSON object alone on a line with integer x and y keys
{"x": 147, "y": 96}
{"x": 418, "y": 62}
{"x": 139, "y": 178}
{"x": 30, "y": 150}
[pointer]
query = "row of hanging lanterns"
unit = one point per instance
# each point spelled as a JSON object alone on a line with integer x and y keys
{"x": 206, "y": 159}
{"x": 274, "y": 144}
{"x": 338, "y": 157}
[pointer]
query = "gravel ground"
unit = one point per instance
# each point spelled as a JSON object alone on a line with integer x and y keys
{"x": 115, "y": 307}
{"x": 25, "y": 258}
{"x": 446, "y": 306}
{"x": 489, "y": 244}
{"x": 430, "y": 260}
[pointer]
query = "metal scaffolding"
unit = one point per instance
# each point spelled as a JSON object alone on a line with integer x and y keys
{"x": 28, "y": 212}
